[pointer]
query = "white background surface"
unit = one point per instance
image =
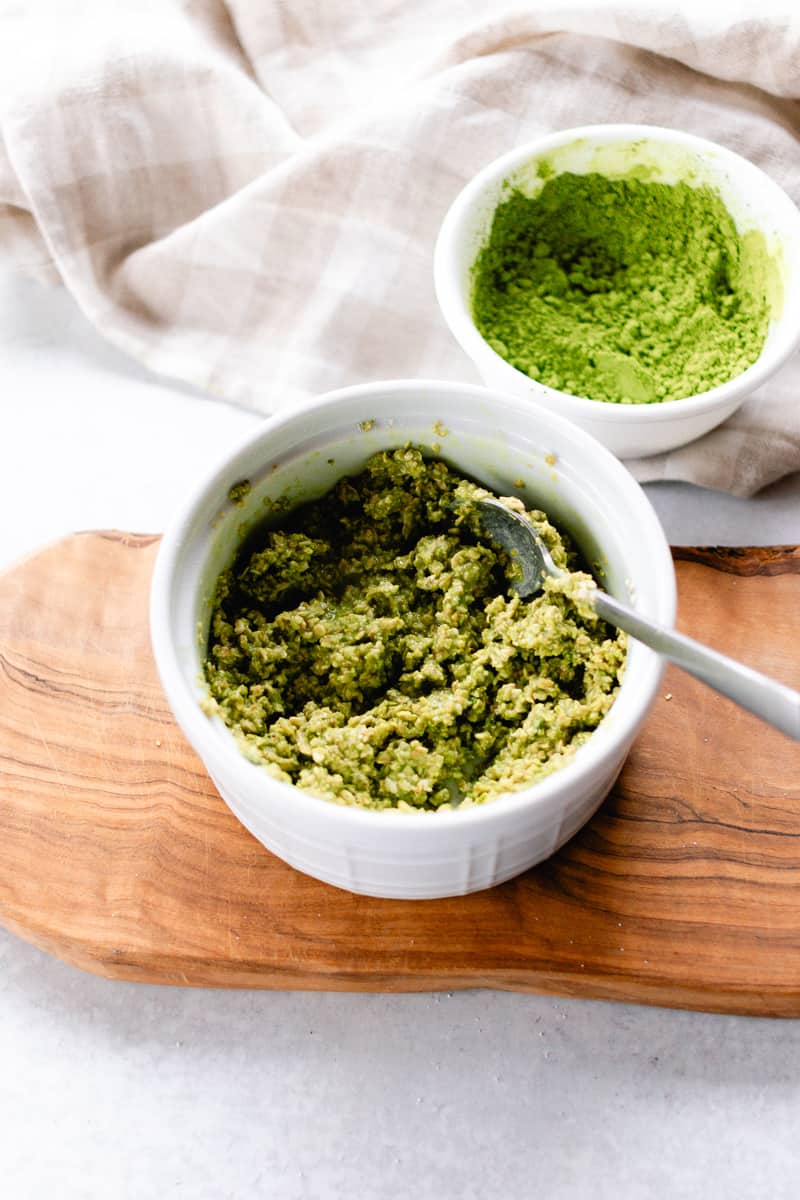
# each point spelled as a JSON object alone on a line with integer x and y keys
{"x": 120, "y": 1090}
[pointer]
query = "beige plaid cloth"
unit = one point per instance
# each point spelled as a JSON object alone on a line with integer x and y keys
{"x": 246, "y": 195}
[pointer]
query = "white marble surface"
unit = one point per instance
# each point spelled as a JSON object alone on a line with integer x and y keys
{"x": 118, "y": 1090}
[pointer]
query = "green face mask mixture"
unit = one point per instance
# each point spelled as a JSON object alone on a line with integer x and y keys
{"x": 622, "y": 290}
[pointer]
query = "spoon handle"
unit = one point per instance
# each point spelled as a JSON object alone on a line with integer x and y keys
{"x": 765, "y": 698}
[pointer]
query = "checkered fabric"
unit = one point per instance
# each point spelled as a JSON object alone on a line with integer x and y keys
{"x": 246, "y": 195}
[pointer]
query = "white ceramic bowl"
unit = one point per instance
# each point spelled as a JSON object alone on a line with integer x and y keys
{"x": 754, "y": 201}
{"x": 498, "y": 440}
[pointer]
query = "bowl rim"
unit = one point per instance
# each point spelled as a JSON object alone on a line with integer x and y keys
{"x": 220, "y": 753}
{"x": 456, "y": 312}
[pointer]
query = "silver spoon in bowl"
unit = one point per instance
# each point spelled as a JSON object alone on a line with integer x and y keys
{"x": 773, "y": 702}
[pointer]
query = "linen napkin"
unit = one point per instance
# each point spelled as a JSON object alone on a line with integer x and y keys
{"x": 246, "y": 195}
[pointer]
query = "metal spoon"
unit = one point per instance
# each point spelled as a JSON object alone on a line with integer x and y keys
{"x": 773, "y": 702}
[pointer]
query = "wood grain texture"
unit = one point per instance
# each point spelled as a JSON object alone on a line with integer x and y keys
{"x": 117, "y": 854}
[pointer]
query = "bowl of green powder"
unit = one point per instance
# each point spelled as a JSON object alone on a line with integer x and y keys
{"x": 340, "y": 641}
{"x": 641, "y": 281}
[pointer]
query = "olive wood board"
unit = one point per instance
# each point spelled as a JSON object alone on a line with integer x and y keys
{"x": 118, "y": 855}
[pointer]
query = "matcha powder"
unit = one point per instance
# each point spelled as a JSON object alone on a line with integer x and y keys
{"x": 622, "y": 290}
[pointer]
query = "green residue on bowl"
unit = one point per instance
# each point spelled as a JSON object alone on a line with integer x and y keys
{"x": 625, "y": 290}
{"x": 238, "y": 492}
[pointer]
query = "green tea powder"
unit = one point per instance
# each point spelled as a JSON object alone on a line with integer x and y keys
{"x": 622, "y": 290}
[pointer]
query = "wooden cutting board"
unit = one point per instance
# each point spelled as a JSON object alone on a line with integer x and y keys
{"x": 117, "y": 854}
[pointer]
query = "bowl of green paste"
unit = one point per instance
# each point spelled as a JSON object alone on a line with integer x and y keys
{"x": 641, "y": 281}
{"x": 341, "y": 643}
{"x": 368, "y": 646}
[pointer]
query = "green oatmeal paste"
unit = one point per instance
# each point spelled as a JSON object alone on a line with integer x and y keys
{"x": 621, "y": 289}
{"x": 369, "y": 651}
